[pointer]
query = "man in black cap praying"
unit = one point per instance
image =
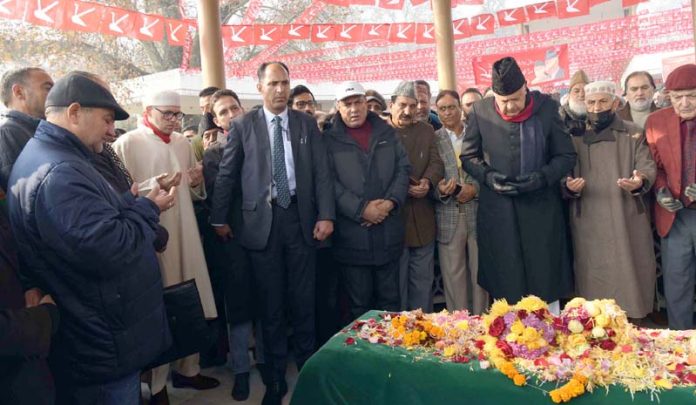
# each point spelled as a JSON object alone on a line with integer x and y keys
{"x": 518, "y": 149}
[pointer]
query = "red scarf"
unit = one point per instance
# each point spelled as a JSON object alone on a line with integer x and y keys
{"x": 521, "y": 117}
{"x": 165, "y": 137}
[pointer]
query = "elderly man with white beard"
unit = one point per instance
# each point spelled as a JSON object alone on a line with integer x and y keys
{"x": 574, "y": 113}
{"x": 639, "y": 89}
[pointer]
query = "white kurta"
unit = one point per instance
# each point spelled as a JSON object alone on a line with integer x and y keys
{"x": 146, "y": 156}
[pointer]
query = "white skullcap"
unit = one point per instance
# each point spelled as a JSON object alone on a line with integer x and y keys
{"x": 601, "y": 86}
{"x": 162, "y": 98}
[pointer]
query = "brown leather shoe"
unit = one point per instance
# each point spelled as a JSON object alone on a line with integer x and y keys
{"x": 161, "y": 398}
{"x": 197, "y": 382}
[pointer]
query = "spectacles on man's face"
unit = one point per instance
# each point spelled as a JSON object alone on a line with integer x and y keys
{"x": 304, "y": 104}
{"x": 169, "y": 115}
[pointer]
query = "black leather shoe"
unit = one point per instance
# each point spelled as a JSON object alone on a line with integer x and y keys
{"x": 161, "y": 398}
{"x": 240, "y": 392}
{"x": 275, "y": 393}
{"x": 197, "y": 382}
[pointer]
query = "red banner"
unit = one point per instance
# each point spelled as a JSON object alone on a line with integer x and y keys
{"x": 349, "y": 32}
{"x": 45, "y": 12}
{"x": 83, "y": 16}
{"x": 177, "y": 32}
{"x": 391, "y": 4}
{"x": 117, "y": 21}
{"x": 513, "y": 16}
{"x": 405, "y": 32}
{"x": 298, "y": 31}
{"x": 482, "y": 24}
{"x": 540, "y": 66}
{"x": 323, "y": 32}
{"x": 149, "y": 27}
{"x": 425, "y": 33}
{"x": 12, "y": 9}
{"x": 541, "y": 10}
{"x": 573, "y": 8}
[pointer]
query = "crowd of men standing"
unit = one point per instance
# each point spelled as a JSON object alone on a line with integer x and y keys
{"x": 286, "y": 216}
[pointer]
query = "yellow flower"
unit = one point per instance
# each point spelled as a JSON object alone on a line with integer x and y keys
{"x": 519, "y": 380}
{"x": 499, "y": 308}
{"x": 602, "y": 320}
{"x": 555, "y": 396}
{"x": 576, "y": 340}
{"x": 575, "y": 302}
{"x": 511, "y": 337}
{"x": 575, "y": 326}
{"x": 662, "y": 383}
{"x": 462, "y": 325}
{"x": 592, "y": 308}
{"x": 531, "y": 303}
{"x": 598, "y": 332}
{"x": 530, "y": 334}
{"x": 449, "y": 351}
{"x": 517, "y": 327}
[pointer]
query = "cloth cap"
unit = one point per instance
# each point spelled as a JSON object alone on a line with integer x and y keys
{"x": 349, "y": 89}
{"x": 162, "y": 98}
{"x": 579, "y": 77}
{"x": 507, "y": 76}
{"x": 406, "y": 89}
{"x": 682, "y": 78}
{"x": 600, "y": 86}
{"x": 77, "y": 88}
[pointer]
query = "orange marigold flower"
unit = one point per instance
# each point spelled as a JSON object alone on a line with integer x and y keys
{"x": 519, "y": 380}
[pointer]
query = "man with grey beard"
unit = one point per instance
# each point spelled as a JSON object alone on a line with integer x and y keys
{"x": 575, "y": 112}
{"x": 639, "y": 88}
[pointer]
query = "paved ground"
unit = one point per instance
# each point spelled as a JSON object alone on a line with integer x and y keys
{"x": 222, "y": 394}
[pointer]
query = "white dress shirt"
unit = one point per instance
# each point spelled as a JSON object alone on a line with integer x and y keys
{"x": 287, "y": 146}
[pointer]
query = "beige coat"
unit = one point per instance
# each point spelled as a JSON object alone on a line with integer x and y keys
{"x": 146, "y": 156}
{"x": 612, "y": 239}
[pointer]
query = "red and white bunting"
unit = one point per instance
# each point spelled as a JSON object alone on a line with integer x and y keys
{"x": 461, "y": 29}
{"x": 425, "y": 33}
{"x": 404, "y": 32}
{"x": 512, "y": 16}
{"x": 349, "y": 33}
{"x": 82, "y": 16}
{"x": 266, "y": 34}
{"x": 540, "y": 11}
{"x": 573, "y": 8}
{"x": 117, "y": 21}
{"x": 12, "y": 9}
{"x": 482, "y": 24}
{"x": 149, "y": 27}
{"x": 391, "y": 4}
{"x": 234, "y": 36}
{"x": 323, "y": 32}
{"x": 297, "y": 31}
{"x": 177, "y": 31}
{"x": 46, "y": 12}
{"x": 375, "y": 31}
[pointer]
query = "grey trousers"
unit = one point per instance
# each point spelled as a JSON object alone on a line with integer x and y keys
{"x": 679, "y": 270}
{"x": 416, "y": 275}
{"x": 459, "y": 268}
{"x": 238, "y": 339}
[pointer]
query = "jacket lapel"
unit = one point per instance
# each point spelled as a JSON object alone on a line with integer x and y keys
{"x": 263, "y": 142}
{"x": 673, "y": 135}
{"x": 295, "y": 128}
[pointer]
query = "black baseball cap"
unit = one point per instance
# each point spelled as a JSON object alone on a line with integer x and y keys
{"x": 77, "y": 88}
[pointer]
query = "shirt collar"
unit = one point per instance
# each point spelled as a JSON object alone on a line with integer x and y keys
{"x": 269, "y": 117}
{"x": 452, "y": 133}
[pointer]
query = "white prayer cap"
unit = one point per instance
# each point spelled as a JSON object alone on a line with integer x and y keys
{"x": 161, "y": 98}
{"x": 601, "y": 86}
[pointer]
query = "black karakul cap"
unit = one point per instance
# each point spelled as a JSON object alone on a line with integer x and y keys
{"x": 507, "y": 76}
{"x": 77, "y": 88}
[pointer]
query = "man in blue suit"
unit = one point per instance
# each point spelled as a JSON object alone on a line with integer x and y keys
{"x": 279, "y": 158}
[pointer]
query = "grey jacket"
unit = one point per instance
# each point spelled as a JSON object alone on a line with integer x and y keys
{"x": 447, "y": 209}
{"x": 246, "y": 163}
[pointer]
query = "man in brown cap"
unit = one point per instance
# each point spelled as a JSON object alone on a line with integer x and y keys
{"x": 671, "y": 135}
{"x": 417, "y": 266}
{"x": 518, "y": 149}
{"x": 574, "y": 113}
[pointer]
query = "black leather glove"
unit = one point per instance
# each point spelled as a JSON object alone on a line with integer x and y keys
{"x": 690, "y": 191}
{"x": 667, "y": 201}
{"x": 526, "y": 183}
{"x": 498, "y": 183}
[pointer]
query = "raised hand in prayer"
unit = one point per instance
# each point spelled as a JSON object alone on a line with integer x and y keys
{"x": 632, "y": 184}
{"x": 166, "y": 181}
{"x": 575, "y": 184}
{"x": 195, "y": 175}
{"x": 163, "y": 199}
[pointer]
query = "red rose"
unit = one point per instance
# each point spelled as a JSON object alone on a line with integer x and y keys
{"x": 504, "y": 347}
{"x": 607, "y": 344}
{"x": 560, "y": 325}
{"x": 610, "y": 332}
{"x": 522, "y": 314}
{"x": 691, "y": 378}
{"x": 350, "y": 341}
{"x": 589, "y": 324}
{"x": 497, "y": 327}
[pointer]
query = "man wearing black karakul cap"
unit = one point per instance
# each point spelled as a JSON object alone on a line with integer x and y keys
{"x": 516, "y": 146}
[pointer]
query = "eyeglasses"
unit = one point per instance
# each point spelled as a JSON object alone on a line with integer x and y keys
{"x": 168, "y": 115}
{"x": 304, "y": 104}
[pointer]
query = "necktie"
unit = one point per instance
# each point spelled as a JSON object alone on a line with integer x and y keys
{"x": 280, "y": 176}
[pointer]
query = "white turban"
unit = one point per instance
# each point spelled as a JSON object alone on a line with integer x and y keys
{"x": 601, "y": 86}
{"x": 162, "y": 98}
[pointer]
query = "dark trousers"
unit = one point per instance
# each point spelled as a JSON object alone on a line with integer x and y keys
{"x": 372, "y": 287}
{"x": 284, "y": 281}
{"x": 679, "y": 270}
{"x": 124, "y": 391}
{"x": 327, "y": 322}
